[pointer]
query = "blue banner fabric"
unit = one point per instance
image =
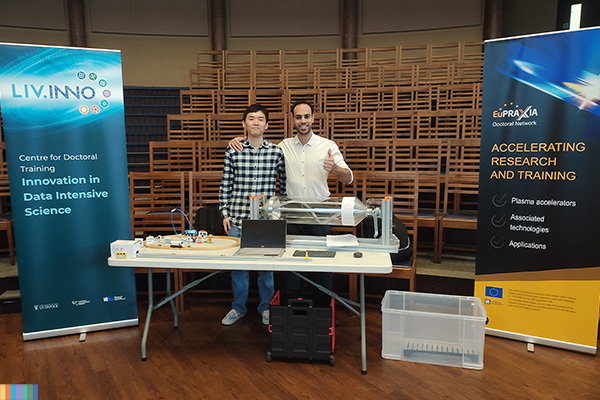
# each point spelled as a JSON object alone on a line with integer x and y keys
{"x": 64, "y": 128}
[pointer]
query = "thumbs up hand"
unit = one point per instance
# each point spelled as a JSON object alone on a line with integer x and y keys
{"x": 328, "y": 164}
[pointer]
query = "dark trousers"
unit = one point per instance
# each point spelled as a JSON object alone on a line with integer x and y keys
{"x": 325, "y": 279}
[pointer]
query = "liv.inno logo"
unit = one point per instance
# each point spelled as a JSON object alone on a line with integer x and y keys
{"x": 32, "y": 91}
{"x": 90, "y": 89}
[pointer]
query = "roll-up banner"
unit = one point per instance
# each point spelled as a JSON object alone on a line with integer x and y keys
{"x": 63, "y": 120}
{"x": 538, "y": 263}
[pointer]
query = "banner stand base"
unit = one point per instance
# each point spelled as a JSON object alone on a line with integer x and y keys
{"x": 543, "y": 341}
{"x": 80, "y": 329}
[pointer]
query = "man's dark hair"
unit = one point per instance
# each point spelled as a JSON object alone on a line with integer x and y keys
{"x": 255, "y": 108}
{"x": 312, "y": 108}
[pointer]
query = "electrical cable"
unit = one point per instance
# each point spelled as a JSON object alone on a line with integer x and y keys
{"x": 173, "y": 225}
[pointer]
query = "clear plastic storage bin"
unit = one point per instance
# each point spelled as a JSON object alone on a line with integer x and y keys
{"x": 433, "y": 328}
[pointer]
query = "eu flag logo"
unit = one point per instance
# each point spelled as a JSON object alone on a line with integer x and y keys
{"x": 492, "y": 291}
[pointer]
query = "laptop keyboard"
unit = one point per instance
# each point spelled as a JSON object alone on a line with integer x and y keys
{"x": 315, "y": 253}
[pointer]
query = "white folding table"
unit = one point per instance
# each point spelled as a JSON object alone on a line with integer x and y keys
{"x": 174, "y": 258}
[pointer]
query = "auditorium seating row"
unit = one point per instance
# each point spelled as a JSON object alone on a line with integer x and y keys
{"x": 375, "y": 67}
{"x": 336, "y": 77}
{"x": 466, "y": 96}
{"x": 425, "y": 54}
{"x": 447, "y": 124}
{"x": 428, "y": 156}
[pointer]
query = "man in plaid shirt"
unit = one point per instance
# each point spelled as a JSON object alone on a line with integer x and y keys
{"x": 250, "y": 172}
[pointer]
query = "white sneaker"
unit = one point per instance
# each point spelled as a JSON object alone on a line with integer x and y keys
{"x": 265, "y": 317}
{"x": 232, "y": 317}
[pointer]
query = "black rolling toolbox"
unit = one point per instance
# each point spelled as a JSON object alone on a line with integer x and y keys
{"x": 302, "y": 326}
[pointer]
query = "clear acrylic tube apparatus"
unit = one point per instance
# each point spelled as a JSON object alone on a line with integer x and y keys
{"x": 333, "y": 211}
{"x": 344, "y": 211}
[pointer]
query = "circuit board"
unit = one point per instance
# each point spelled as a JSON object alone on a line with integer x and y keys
{"x": 186, "y": 243}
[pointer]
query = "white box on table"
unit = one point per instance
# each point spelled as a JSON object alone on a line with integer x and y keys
{"x": 433, "y": 328}
{"x": 123, "y": 249}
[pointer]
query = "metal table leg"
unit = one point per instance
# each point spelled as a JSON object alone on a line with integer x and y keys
{"x": 171, "y": 297}
{"x": 363, "y": 330}
{"x": 148, "y": 315}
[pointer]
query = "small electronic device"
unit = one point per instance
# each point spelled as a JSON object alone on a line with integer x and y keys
{"x": 123, "y": 249}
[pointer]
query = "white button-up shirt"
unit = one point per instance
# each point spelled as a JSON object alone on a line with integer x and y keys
{"x": 304, "y": 170}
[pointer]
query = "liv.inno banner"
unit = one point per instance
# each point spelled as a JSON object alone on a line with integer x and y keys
{"x": 538, "y": 264}
{"x": 63, "y": 120}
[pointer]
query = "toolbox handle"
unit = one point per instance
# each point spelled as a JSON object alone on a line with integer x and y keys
{"x": 300, "y": 302}
{"x": 297, "y": 312}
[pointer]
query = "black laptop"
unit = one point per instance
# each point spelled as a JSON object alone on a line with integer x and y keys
{"x": 262, "y": 238}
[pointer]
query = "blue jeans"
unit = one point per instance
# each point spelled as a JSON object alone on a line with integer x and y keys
{"x": 240, "y": 285}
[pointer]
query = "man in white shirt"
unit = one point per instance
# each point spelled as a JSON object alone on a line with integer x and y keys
{"x": 309, "y": 159}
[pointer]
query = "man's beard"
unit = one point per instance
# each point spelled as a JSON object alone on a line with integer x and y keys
{"x": 308, "y": 129}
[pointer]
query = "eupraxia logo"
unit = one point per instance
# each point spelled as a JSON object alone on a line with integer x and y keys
{"x": 511, "y": 114}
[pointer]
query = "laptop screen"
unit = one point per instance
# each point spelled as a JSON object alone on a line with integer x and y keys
{"x": 267, "y": 233}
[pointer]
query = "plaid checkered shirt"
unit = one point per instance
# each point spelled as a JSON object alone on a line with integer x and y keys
{"x": 249, "y": 173}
